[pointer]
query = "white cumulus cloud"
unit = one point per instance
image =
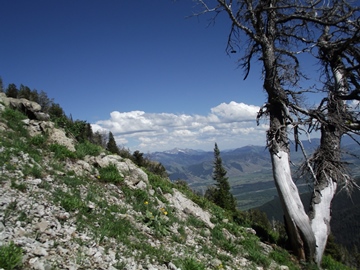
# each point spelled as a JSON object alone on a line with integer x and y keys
{"x": 231, "y": 125}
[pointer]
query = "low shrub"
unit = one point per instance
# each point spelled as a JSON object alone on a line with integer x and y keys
{"x": 191, "y": 263}
{"x": 330, "y": 264}
{"x": 61, "y": 152}
{"x": 87, "y": 148}
{"x": 110, "y": 174}
{"x": 38, "y": 140}
{"x": 254, "y": 251}
{"x": 10, "y": 256}
{"x": 13, "y": 120}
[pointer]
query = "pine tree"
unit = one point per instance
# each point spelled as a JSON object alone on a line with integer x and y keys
{"x": 138, "y": 158}
{"x": 1, "y": 85}
{"x": 111, "y": 145}
{"x": 12, "y": 91}
{"x": 24, "y": 92}
{"x": 221, "y": 194}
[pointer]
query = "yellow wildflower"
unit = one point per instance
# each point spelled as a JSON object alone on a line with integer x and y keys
{"x": 146, "y": 202}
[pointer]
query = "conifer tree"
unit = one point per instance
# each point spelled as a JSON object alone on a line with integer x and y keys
{"x": 24, "y": 92}
{"x": 111, "y": 145}
{"x": 12, "y": 91}
{"x": 139, "y": 158}
{"x": 221, "y": 195}
{"x": 99, "y": 138}
{"x": 1, "y": 85}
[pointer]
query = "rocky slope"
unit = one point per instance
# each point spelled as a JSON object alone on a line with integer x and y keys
{"x": 66, "y": 205}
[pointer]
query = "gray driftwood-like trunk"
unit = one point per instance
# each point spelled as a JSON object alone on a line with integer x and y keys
{"x": 327, "y": 159}
{"x": 323, "y": 194}
{"x": 297, "y": 222}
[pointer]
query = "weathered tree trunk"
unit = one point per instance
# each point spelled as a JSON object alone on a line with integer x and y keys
{"x": 320, "y": 222}
{"x": 320, "y": 207}
{"x": 327, "y": 159}
{"x": 297, "y": 222}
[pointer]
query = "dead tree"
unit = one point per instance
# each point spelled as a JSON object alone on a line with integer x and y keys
{"x": 276, "y": 33}
{"x": 338, "y": 50}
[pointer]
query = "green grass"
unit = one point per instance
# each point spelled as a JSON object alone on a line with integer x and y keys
{"x": 32, "y": 170}
{"x": 282, "y": 257}
{"x": 10, "y": 209}
{"x": 17, "y": 152}
{"x": 190, "y": 263}
{"x": 10, "y": 256}
{"x": 220, "y": 240}
{"x": 13, "y": 120}
{"x": 329, "y": 263}
{"x": 38, "y": 140}
{"x": 120, "y": 229}
{"x": 72, "y": 181}
{"x": 61, "y": 152}
{"x": 19, "y": 186}
{"x": 254, "y": 251}
{"x": 157, "y": 181}
{"x": 110, "y": 174}
{"x": 86, "y": 148}
{"x": 70, "y": 201}
{"x": 195, "y": 222}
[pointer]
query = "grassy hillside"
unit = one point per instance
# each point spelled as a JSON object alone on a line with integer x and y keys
{"x": 90, "y": 209}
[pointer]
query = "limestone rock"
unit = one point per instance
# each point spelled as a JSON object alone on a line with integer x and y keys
{"x": 59, "y": 136}
{"x": 181, "y": 203}
{"x": 30, "y": 108}
{"x": 131, "y": 173}
{"x": 3, "y": 126}
{"x": 3, "y": 99}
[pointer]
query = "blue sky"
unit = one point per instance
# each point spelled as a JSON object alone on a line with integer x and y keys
{"x": 141, "y": 69}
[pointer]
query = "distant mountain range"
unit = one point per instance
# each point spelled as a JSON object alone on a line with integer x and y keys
{"x": 248, "y": 169}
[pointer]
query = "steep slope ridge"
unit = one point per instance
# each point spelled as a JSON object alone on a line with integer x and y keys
{"x": 85, "y": 209}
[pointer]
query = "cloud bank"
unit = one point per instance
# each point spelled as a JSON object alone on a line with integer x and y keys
{"x": 230, "y": 125}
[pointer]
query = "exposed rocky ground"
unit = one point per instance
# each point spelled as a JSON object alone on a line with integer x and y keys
{"x": 65, "y": 205}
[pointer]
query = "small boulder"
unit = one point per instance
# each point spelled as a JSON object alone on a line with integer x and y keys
{"x": 59, "y": 136}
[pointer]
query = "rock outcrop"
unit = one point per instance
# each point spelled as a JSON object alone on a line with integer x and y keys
{"x": 30, "y": 108}
{"x": 133, "y": 176}
{"x": 38, "y": 122}
{"x": 187, "y": 207}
